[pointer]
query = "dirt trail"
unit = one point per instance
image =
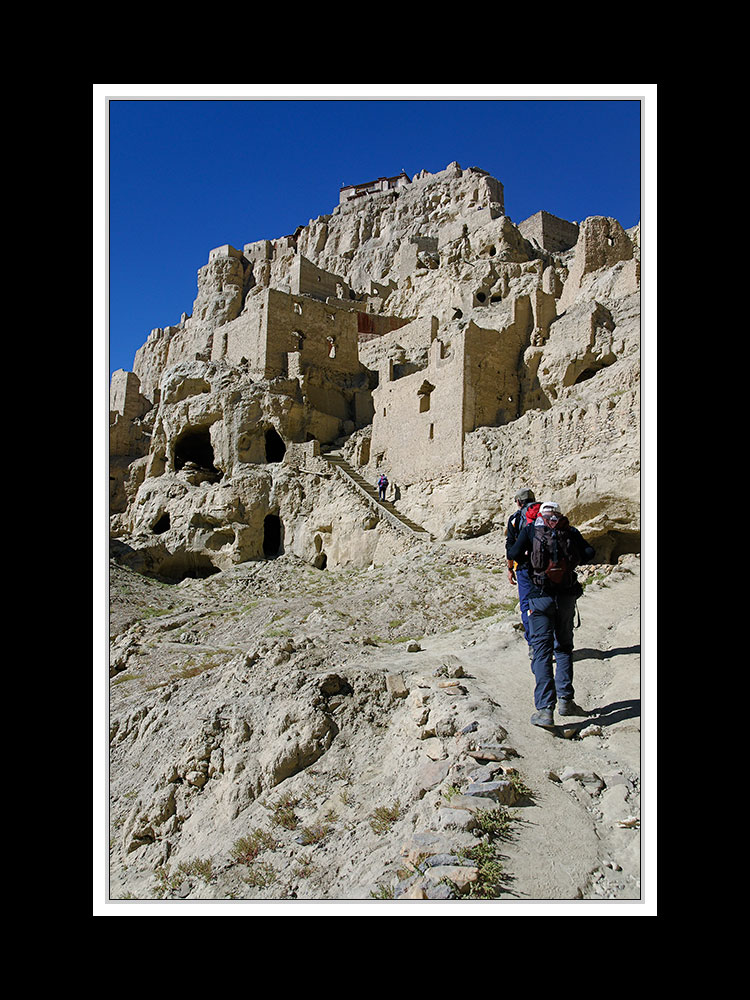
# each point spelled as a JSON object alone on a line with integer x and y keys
{"x": 579, "y": 839}
{"x": 590, "y": 823}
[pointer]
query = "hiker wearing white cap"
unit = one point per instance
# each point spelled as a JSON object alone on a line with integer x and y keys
{"x": 554, "y": 548}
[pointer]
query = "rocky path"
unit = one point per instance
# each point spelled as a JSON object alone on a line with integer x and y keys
{"x": 194, "y": 661}
{"x": 581, "y": 835}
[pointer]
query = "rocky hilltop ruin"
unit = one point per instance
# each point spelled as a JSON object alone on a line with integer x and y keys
{"x": 419, "y": 332}
{"x": 415, "y": 330}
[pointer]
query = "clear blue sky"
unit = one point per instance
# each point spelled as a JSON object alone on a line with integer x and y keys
{"x": 187, "y": 175}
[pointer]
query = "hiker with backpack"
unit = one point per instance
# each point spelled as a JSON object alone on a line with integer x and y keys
{"x": 554, "y": 549}
{"x": 382, "y": 486}
{"x": 518, "y": 569}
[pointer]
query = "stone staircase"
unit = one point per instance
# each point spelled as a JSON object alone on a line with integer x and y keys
{"x": 385, "y": 508}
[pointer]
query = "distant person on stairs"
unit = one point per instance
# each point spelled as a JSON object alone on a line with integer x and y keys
{"x": 555, "y": 549}
{"x": 382, "y": 485}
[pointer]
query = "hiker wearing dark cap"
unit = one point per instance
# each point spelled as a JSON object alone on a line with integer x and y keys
{"x": 555, "y": 548}
{"x": 518, "y": 569}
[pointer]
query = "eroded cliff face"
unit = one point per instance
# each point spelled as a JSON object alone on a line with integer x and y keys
{"x": 214, "y": 464}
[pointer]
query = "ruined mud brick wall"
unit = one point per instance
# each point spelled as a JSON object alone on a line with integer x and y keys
{"x": 324, "y": 336}
{"x": 307, "y": 279}
{"x": 550, "y": 232}
{"x": 244, "y": 339}
{"x": 371, "y": 326}
{"x": 414, "y": 337}
{"x": 492, "y": 362}
{"x": 276, "y": 324}
{"x": 417, "y": 428}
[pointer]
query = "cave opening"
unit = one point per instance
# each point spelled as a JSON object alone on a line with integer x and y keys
{"x": 613, "y": 544}
{"x": 272, "y": 536}
{"x": 275, "y": 447}
{"x": 586, "y": 375}
{"x": 162, "y": 524}
{"x": 185, "y": 565}
{"x": 194, "y": 447}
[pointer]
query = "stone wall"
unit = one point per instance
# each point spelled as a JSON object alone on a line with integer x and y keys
{"x": 307, "y": 279}
{"x": 324, "y": 336}
{"x": 549, "y": 232}
{"x": 417, "y": 428}
{"x": 276, "y": 324}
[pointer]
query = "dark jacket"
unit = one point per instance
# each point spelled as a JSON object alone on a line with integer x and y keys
{"x": 520, "y": 551}
{"x": 515, "y": 524}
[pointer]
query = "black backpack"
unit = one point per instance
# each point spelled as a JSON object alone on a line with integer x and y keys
{"x": 554, "y": 556}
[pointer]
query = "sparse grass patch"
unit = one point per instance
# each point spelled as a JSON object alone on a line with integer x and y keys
{"x": 190, "y": 669}
{"x": 315, "y": 833}
{"x": 521, "y": 788}
{"x": 167, "y": 881}
{"x": 495, "y": 824}
{"x": 283, "y": 814}
{"x": 491, "y": 874}
{"x": 383, "y": 818}
{"x": 449, "y": 791}
{"x": 123, "y": 678}
{"x": 304, "y": 867}
{"x": 246, "y": 849}
{"x": 383, "y": 891}
{"x": 259, "y": 875}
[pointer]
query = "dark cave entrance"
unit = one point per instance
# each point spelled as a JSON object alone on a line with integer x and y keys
{"x": 180, "y": 566}
{"x": 272, "y": 536}
{"x": 161, "y": 525}
{"x": 275, "y": 447}
{"x": 586, "y": 375}
{"x": 194, "y": 447}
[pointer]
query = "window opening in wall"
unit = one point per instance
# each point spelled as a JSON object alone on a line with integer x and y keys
{"x": 424, "y": 396}
{"x": 481, "y": 297}
{"x": 432, "y": 431}
{"x": 272, "y": 535}
{"x": 275, "y": 447}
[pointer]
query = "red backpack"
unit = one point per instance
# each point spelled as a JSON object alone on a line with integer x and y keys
{"x": 532, "y": 512}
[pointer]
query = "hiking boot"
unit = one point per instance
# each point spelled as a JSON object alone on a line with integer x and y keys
{"x": 566, "y": 706}
{"x": 544, "y": 717}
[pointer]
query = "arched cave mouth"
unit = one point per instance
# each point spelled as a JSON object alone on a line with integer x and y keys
{"x": 586, "y": 375}
{"x": 275, "y": 447}
{"x": 610, "y": 546}
{"x": 185, "y": 565}
{"x": 195, "y": 447}
{"x": 162, "y": 524}
{"x": 273, "y": 534}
